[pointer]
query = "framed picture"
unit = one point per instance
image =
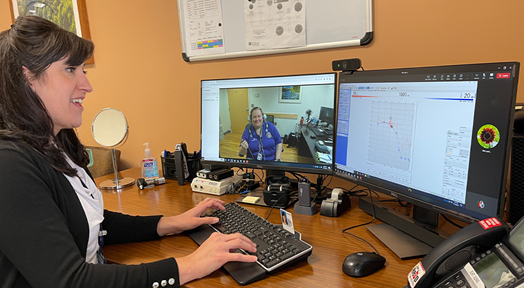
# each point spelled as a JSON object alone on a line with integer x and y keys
{"x": 68, "y": 14}
{"x": 290, "y": 94}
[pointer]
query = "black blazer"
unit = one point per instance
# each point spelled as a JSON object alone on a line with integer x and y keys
{"x": 44, "y": 231}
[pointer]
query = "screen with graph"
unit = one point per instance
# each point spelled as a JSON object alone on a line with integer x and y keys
{"x": 436, "y": 136}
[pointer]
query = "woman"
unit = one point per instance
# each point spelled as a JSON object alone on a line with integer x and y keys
{"x": 51, "y": 213}
{"x": 260, "y": 140}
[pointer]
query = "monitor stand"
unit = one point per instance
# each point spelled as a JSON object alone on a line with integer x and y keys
{"x": 398, "y": 231}
{"x": 403, "y": 245}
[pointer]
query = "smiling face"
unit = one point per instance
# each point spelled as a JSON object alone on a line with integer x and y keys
{"x": 62, "y": 88}
{"x": 257, "y": 118}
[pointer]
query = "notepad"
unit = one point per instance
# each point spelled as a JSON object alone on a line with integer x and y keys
{"x": 251, "y": 199}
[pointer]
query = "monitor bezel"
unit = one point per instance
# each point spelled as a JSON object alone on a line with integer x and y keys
{"x": 429, "y": 203}
{"x": 267, "y": 165}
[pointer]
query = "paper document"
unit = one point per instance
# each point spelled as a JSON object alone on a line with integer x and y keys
{"x": 324, "y": 157}
{"x": 275, "y": 24}
{"x": 204, "y": 33}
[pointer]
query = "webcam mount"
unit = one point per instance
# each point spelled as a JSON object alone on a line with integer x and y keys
{"x": 347, "y": 65}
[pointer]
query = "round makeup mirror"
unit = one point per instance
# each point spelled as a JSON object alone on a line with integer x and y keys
{"x": 110, "y": 129}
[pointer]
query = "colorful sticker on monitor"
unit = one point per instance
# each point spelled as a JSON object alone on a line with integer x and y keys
{"x": 488, "y": 136}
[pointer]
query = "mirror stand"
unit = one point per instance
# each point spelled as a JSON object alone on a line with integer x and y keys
{"x": 117, "y": 183}
{"x": 110, "y": 129}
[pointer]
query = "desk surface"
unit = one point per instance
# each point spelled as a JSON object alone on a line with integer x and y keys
{"x": 323, "y": 267}
{"x": 309, "y": 142}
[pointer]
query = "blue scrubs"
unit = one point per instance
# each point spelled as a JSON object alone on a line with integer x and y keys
{"x": 264, "y": 147}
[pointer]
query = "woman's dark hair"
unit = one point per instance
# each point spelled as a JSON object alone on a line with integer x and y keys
{"x": 36, "y": 43}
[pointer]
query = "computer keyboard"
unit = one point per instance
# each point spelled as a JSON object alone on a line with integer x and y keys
{"x": 317, "y": 131}
{"x": 276, "y": 248}
{"x": 321, "y": 132}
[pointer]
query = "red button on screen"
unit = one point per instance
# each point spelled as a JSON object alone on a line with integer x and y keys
{"x": 503, "y": 75}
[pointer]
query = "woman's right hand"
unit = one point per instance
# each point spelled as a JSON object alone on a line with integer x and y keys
{"x": 242, "y": 150}
{"x": 216, "y": 251}
{"x": 244, "y": 144}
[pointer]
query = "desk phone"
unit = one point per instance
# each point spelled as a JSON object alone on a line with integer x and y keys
{"x": 483, "y": 254}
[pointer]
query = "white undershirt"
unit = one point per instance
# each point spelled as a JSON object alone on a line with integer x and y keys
{"x": 93, "y": 204}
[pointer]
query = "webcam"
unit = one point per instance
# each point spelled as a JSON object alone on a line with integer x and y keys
{"x": 346, "y": 64}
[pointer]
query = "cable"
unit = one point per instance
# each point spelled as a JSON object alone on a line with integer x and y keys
{"x": 452, "y": 223}
{"x": 396, "y": 200}
{"x": 290, "y": 194}
{"x": 295, "y": 174}
{"x": 372, "y": 220}
{"x": 240, "y": 168}
{"x": 263, "y": 175}
{"x": 299, "y": 175}
{"x": 240, "y": 188}
{"x": 356, "y": 193}
{"x": 330, "y": 179}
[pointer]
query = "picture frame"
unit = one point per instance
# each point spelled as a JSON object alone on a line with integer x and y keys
{"x": 290, "y": 94}
{"x": 41, "y": 8}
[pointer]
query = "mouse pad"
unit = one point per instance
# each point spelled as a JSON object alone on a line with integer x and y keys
{"x": 403, "y": 245}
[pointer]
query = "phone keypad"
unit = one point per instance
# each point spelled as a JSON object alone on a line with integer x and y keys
{"x": 456, "y": 280}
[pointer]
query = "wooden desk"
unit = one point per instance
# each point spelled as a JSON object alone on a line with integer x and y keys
{"x": 306, "y": 144}
{"x": 322, "y": 269}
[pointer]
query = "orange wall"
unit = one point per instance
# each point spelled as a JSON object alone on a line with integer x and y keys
{"x": 139, "y": 69}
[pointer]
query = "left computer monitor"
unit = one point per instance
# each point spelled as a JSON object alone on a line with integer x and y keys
{"x": 285, "y": 103}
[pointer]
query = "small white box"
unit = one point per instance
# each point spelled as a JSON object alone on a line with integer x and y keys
{"x": 212, "y": 187}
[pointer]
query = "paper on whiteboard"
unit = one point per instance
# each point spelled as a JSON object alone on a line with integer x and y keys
{"x": 204, "y": 31}
{"x": 272, "y": 24}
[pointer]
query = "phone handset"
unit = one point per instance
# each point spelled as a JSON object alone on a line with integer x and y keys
{"x": 456, "y": 251}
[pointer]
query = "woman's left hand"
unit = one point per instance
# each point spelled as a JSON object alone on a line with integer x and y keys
{"x": 189, "y": 219}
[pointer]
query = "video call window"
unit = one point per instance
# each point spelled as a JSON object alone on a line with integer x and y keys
{"x": 274, "y": 131}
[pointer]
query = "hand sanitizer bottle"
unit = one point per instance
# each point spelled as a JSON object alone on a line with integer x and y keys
{"x": 149, "y": 165}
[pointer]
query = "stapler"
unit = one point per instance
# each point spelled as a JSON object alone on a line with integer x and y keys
{"x": 336, "y": 205}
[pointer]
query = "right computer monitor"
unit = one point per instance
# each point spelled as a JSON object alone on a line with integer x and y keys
{"x": 438, "y": 137}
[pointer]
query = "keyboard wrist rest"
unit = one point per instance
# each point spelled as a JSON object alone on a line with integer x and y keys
{"x": 243, "y": 272}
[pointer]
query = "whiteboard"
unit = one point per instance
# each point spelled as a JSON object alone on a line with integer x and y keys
{"x": 329, "y": 24}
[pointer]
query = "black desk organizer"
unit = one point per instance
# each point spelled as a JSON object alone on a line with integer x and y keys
{"x": 172, "y": 166}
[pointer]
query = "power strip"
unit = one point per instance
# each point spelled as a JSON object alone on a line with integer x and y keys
{"x": 212, "y": 187}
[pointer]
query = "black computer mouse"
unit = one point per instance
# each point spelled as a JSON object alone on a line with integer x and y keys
{"x": 362, "y": 264}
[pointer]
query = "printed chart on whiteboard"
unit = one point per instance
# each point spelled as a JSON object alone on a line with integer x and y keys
{"x": 279, "y": 24}
{"x": 204, "y": 32}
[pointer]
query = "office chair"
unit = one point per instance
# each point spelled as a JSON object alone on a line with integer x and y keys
{"x": 271, "y": 119}
{"x": 101, "y": 163}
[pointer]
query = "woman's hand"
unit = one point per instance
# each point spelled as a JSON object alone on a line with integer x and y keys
{"x": 216, "y": 251}
{"x": 244, "y": 144}
{"x": 242, "y": 150}
{"x": 189, "y": 219}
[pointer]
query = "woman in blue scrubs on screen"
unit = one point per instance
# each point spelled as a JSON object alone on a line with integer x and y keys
{"x": 260, "y": 140}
